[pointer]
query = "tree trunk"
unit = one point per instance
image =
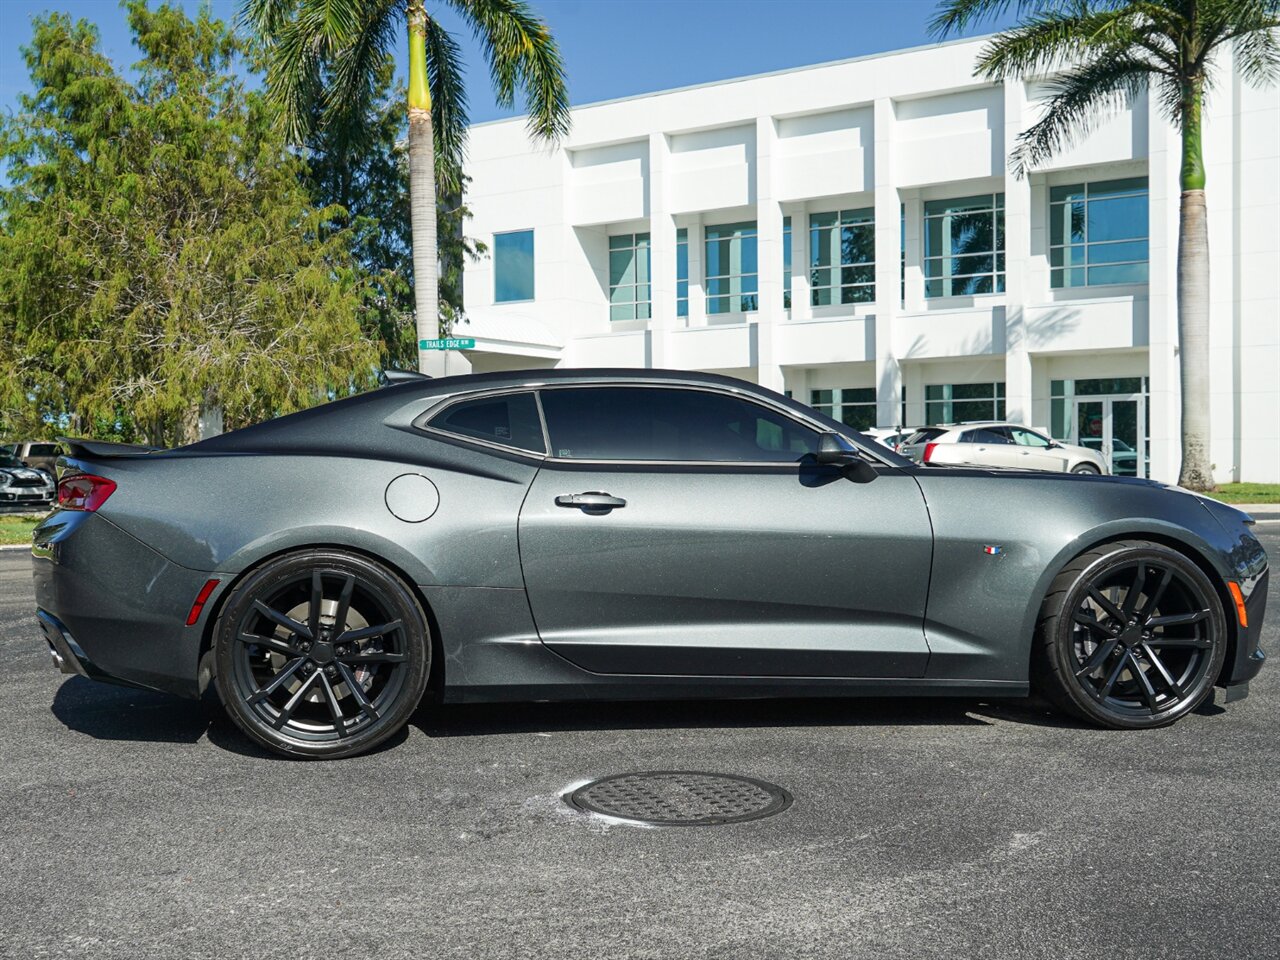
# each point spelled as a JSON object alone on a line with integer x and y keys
{"x": 1196, "y": 472}
{"x": 422, "y": 189}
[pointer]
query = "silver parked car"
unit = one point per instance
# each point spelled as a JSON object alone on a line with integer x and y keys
{"x": 23, "y": 485}
{"x": 993, "y": 443}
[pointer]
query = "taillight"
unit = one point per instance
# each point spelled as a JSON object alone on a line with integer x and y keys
{"x": 84, "y": 491}
{"x": 928, "y": 451}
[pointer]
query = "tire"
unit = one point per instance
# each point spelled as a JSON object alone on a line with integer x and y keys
{"x": 1085, "y": 468}
{"x": 301, "y": 684}
{"x": 1147, "y": 667}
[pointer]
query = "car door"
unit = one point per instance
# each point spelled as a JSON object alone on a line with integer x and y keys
{"x": 686, "y": 531}
{"x": 989, "y": 447}
{"x": 1035, "y": 451}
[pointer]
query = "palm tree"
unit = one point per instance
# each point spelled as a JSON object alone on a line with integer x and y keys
{"x": 328, "y": 53}
{"x": 1101, "y": 53}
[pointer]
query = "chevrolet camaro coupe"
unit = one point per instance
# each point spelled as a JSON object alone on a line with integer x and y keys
{"x": 607, "y": 534}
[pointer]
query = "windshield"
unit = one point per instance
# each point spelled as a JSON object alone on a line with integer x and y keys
{"x": 8, "y": 460}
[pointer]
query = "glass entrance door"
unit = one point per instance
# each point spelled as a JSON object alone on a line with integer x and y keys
{"x": 1115, "y": 427}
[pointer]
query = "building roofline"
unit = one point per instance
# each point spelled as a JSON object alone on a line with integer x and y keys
{"x": 751, "y": 76}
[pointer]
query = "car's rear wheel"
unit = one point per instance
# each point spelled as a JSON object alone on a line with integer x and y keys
{"x": 1085, "y": 468}
{"x": 1131, "y": 635}
{"x": 321, "y": 653}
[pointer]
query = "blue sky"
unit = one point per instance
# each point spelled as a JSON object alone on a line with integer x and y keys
{"x": 612, "y": 48}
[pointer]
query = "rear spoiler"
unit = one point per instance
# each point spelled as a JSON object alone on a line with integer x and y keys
{"x": 101, "y": 449}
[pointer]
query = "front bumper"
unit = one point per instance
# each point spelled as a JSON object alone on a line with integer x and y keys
{"x": 1249, "y": 656}
{"x": 36, "y": 496}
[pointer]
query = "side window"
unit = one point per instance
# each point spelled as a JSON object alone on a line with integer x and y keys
{"x": 660, "y": 423}
{"x": 43, "y": 450}
{"x": 509, "y": 419}
{"x": 1025, "y": 438}
{"x": 987, "y": 435}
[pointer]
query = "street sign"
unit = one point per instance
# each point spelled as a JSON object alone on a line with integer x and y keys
{"x": 448, "y": 343}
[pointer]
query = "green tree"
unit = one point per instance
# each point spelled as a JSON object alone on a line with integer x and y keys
{"x": 364, "y": 170}
{"x": 1102, "y": 52}
{"x": 330, "y": 52}
{"x": 159, "y": 253}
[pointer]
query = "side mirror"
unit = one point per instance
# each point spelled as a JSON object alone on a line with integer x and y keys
{"x": 836, "y": 450}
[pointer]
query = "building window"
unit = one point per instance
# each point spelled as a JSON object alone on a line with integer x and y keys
{"x": 1098, "y": 233}
{"x": 786, "y": 263}
{"x": 959, "y": 402}
{"x": 629, "y": 277}
{"x": 842, "y": 254}
{"x": 852, "y": 406}
{"x": 964, "y": 246}
{"x": 732, "y": 272}
{"x": 682, "y": 272}
{"x": 513, "y": 266}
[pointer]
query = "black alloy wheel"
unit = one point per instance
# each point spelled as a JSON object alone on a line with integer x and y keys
{"x": 1132, "y": 635}
{"x": 321, "y": 654}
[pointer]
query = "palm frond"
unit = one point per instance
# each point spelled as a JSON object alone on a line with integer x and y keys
{"x": 266, "y": 17}
{"x": 445, "y": 73}
{"x": 957, "y": 16}
{"x": 1253, "y": 29}
{"x": 1082, "y": 100}
{"x": 354, "y": 66}
{"x": 1053, "y": 39}
{"x": 522, "y": 56}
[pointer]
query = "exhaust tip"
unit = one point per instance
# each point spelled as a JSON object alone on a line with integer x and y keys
{"x": 59, "y": 661}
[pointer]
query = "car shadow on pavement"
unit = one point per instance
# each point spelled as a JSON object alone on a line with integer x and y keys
{"x": 108, "y": 712}
{"x": 459, "y": 720}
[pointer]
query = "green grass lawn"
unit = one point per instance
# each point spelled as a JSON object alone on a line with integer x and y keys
{"x": 17, "y": 529}
{"x": 1248, "y": 493}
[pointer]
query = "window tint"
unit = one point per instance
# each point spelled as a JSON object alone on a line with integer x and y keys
{"x": 43, "y": 450}
{"x": 928, "y": 433}
{"x": 511, "y": 420}
{"x": 1026, "y": 438}
{"x": 986, "y": 435}
{"x": 656, "y": 423}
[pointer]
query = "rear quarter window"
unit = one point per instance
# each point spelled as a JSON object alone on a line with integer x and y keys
{"x": 510, "y": 420}
{"x": 929, "y": 433}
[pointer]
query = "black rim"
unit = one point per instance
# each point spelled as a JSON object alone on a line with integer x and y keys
{"x": 321, "y": 656}
{"x": 1142, "y": 638}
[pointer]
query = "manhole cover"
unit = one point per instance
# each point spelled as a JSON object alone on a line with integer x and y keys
{"x": 681, "y": 798}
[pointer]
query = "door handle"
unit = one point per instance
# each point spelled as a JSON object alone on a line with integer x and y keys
{"x": 592, "y": 500}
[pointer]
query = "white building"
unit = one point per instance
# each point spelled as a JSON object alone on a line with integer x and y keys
{"x": 849, "y": 233}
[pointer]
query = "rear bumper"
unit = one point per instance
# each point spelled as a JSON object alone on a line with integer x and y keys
{"x": 111, "y": 608}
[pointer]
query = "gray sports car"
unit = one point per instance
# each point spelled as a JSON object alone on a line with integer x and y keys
{"x": 592, "y": 534}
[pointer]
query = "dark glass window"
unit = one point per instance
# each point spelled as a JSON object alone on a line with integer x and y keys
{"x": 989, "y": 435}
{"x": 659, "y": 423}
{"x": 511, "y": 420}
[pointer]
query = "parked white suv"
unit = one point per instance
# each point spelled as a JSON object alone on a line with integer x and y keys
{"x": 997, "y": 444}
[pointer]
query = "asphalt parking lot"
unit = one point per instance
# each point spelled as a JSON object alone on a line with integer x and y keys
{"x": 137, "y": 825}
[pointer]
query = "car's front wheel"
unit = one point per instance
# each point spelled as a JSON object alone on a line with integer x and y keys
{"x": 1086, "y": 468}
{"x": 1131, "y": 635}
{"x": 321, "y": 654}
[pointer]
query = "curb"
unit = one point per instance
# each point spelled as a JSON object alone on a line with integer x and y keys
{"x": 14, "y": 546}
